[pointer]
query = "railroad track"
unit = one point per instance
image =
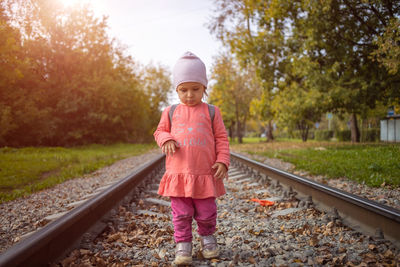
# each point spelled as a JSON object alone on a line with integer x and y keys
{"x": 129, "y": 224}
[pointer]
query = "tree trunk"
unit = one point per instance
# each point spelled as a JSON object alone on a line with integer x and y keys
{"x": 304, "y": 134}
{"x": 269, "y": 136}
{"x": 355, "y": 132}
{"x": 303, "y": 127}
{"x": 232, "y": 130}
{"x": 239, "y": 131}
{"x": 238, "y": 125}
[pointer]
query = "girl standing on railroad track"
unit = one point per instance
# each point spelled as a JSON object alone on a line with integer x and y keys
{"x": 193, "y": 136}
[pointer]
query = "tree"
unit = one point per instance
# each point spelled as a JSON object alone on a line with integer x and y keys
{"x": 297, "y": 107}
{"x": 387, "y": 52}
{"x": 232, "y": 91}
{"x": 18, "y": 103}
{"x": 157, "y": 85}
{"x": 339, "y": 40}
{"x": 335, "y": 39}
{"x": 73, "y": 84}
{"x": 255, "y": 32}
{"x": 10, "y": 72}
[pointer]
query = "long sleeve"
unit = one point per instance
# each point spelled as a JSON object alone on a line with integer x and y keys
{"x": 221, "y": 139}
{"x": 163, "y": 131}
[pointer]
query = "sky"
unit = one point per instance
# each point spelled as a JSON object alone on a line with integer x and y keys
{"x": 160, "y": 31}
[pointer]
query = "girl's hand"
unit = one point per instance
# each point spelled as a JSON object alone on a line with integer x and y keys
{"x": 221, "y": 170}
{"x": 169, "y": 147}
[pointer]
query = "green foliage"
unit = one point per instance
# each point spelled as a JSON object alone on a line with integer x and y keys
{"x": 324, "y": 135}
{"x": 343, "y": 135}
{"x": 26, "y": 170}
{"x": 297, "y": 107}
{"x": 232, "y": 92}
{"x": 66, "y": 82}
{"x": 157, "y": 84}
{"x": 314, "y": 57}
{"x": 388, "y": 51}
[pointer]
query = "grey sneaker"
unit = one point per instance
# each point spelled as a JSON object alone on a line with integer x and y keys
{"x": 209, "y": 247}
{"x": 183, "y": 253}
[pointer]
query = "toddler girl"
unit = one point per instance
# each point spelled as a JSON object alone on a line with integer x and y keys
{"x": 197, "y": 150}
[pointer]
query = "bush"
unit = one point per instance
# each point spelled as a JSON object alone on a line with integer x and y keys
{"x": 370, "y": 135}
{"x": 323, "y": 135}
{"x": 344, "y": 135}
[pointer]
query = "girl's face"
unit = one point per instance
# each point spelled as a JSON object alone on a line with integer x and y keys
{"x": 190, "y": 93}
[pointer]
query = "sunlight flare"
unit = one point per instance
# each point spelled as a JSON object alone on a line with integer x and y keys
{"x": 98, "y": 6}
{"x": 71, "y": 3}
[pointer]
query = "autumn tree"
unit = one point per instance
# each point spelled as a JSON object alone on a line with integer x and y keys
{"x": 157, "y": 85}
{"x": 233, "y": 90}
{"x": 339, "y": 38}
{"x": 255, "y": 32}
{"x": 298, "y": 104}
{"x": 387, "y": 51}
{"x": 10, "y": 72}
{"x": 337, "y": 41}
{"x": 73, "y": 83}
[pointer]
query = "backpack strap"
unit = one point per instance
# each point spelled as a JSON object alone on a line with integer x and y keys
{"x": 171, "y": 112}
{"x": 211, "y": 111}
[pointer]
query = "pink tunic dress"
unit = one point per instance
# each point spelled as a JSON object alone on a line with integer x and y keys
{"x": 188, "y": 171}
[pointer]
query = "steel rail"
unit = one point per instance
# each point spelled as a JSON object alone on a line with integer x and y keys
{"x": 359, "y": 213}
{"x": 58, "y": 237}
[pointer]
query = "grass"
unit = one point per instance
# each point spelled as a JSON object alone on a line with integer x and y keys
{"x": 26, "y": 170}
{"x": 371, "y": 164}
{"x": 248, "y": 140}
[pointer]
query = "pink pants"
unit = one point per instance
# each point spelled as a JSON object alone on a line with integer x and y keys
{"x": 184, "y": 209}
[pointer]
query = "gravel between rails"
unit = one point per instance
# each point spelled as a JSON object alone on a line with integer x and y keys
{"x": 289, "y": 233}
{"x": 24, "y": 215}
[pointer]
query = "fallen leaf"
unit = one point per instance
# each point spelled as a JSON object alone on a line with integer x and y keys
{"x": 263, "y": 202}
{"x": 252, "y": 260}
{"x": 256, "y": 233}
{"x": 388, "y": 254}
{"x": 313, "y": 241}
{"x": 200, "y": 255}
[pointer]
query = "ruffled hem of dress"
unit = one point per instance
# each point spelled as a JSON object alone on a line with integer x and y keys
{"x": 191, "y": 185}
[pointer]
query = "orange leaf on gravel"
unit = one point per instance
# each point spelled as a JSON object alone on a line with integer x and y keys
{"x": 388, "y": 254}
{"x": 263, "y": 202}
{"x": 200, "y": 255}
{"x": 252, "y": 260}
{"x": 313, "y": 241}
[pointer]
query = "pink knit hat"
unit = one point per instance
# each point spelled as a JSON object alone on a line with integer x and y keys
{"x": 189, "y": 68}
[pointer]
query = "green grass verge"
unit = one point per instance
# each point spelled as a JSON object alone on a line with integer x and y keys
{"x": 248, "y": 140}
{"x": 26, "y": 170}
{"x": 254, "y": 140}
{"x": 371, "y": 164}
